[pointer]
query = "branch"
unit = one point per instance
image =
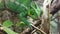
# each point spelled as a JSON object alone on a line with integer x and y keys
{"x": 38, "y": 29}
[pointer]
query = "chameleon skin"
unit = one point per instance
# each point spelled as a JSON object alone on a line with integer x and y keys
{"x": 21, "y": 8}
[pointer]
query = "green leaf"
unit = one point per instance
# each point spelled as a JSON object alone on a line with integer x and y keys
{"x": 25, "y": 2}
{"x": 36, "y": 8}
{"x": 9, "y": 31}
{"x": 18, "y": 6}
{"x": 7, "y": 23}
{"x": 24, "y": 19}
{"x": 21, "y": 24}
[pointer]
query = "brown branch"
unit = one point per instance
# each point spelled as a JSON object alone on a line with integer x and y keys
{"x": 26, "y": 30}
{"x": 38, "y": 29}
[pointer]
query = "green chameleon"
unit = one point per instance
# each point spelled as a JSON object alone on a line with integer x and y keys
{"x": 22, "y": 8}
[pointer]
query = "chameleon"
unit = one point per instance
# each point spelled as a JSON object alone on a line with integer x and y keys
{"x": 22, "y": 8}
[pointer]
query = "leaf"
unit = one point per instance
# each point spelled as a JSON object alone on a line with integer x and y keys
{"x": 7, "y": 23}
{"x": 21, "y": 24}
{"x": 25, "y": 2}
{"x": 36, "y": 8}
{"x": 22, "y": 18}
{"x": 18, "y": 6}
{"x": 9, "y": 31}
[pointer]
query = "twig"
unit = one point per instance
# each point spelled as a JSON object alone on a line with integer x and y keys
{"x": 26, "y": 30}
{"x": 38, "y": 29}
{"x": 33, "y": 31}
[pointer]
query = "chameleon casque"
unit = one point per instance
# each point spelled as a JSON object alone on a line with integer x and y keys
{"x": 22, "y": 8}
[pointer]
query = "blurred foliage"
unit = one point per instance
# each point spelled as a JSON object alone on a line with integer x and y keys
{"x": 18, "y": 5}
{"x": 37, "y": 9}
{"x": 9, "y": 31}
{"x": 7, "y": 24}
{"x": 22, "y": 8}
{"x": 21, "y": 24}
{"x": 1, "y": 4}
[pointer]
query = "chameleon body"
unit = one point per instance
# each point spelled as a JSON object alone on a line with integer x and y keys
{"x": 22, "y": 8}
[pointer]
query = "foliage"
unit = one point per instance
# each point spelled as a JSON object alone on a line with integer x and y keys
{"x": 7, "y": 24}
{"x": 9, "y": 31}
{"x": 21, "y": 24}
{"x": 1, "y": 4}
{"x": 36, "y": 8}
{"x": 18, "y": 5}
{"x": 22, "y": 8}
